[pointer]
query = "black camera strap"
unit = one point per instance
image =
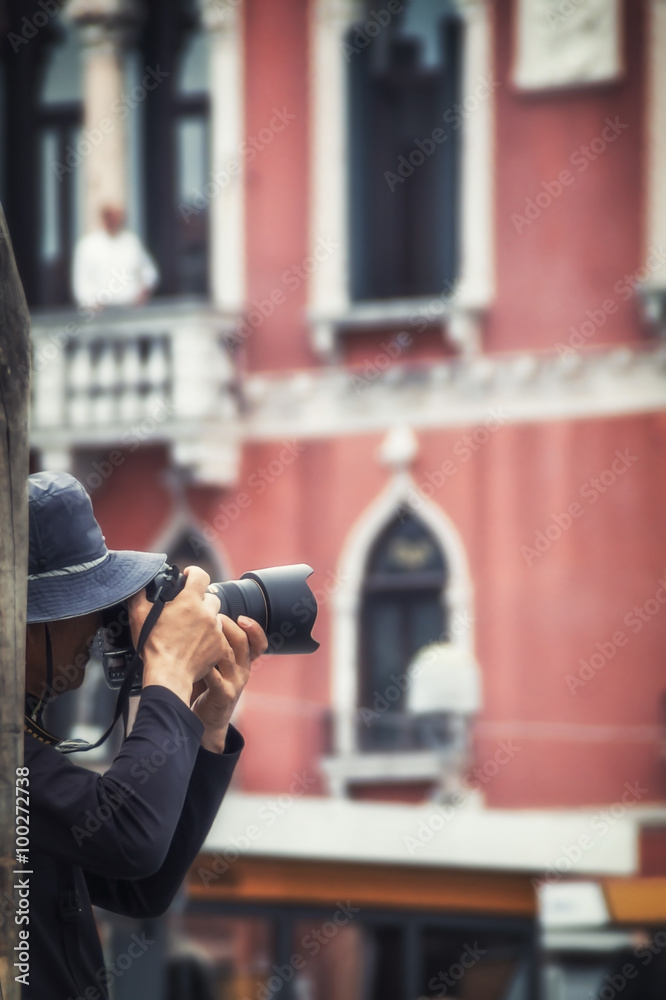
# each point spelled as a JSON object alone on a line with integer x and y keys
{"x": 122, "y": 702}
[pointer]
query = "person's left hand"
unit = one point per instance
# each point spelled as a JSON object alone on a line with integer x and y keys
{"x": 215, "y": 697}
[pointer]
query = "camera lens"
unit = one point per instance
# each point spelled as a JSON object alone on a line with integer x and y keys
{"x": 279, "y": 599}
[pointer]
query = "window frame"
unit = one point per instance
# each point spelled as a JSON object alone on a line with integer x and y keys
{"x": 457, "y": 312}
{"x": 347, "y": 764}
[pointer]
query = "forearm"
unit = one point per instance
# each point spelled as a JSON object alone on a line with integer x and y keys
{"x": 152, "y": 895}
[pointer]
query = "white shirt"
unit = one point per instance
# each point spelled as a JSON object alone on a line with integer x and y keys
{"x": 111, "y": 270}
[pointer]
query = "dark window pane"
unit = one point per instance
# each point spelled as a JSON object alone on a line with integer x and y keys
{"x": 473, "y": 965}
{"x": 401, "y": 612}
{"x": 403, "y": 205}
{"x": 236, "y": 957}
{"x": 176, "y": 142}
{"x": 328, "y": 960}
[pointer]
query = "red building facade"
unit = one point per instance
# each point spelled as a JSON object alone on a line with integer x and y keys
{"x": 468, "y": 454}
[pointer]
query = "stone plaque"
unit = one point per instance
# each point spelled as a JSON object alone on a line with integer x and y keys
{"x": 563, "y": 43}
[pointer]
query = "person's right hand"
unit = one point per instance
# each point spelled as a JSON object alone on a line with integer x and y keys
{"x": 187, "y": 640}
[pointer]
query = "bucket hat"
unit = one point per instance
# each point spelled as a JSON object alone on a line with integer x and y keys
{"x": 70, "y": 570}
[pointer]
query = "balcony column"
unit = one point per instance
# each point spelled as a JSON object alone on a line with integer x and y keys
{"x": 106, "y": 29}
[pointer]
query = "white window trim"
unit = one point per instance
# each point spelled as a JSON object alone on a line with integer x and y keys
{"x": 330, "y": 306}
{"x": 653, "y": 290}
{"x": 227, "y": 205}
{"x": 347, "y": 762}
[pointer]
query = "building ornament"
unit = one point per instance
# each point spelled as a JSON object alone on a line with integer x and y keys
{"x": 522, "y": 387}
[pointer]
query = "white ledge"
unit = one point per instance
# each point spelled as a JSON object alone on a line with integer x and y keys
{"x": 308, "y": 827}
{"x": 458, "y": 320}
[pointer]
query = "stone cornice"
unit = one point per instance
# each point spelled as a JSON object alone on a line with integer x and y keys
{"x": 524, "y": 386}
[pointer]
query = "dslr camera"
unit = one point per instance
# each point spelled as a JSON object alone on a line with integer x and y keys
{"x": 278, "y": 598}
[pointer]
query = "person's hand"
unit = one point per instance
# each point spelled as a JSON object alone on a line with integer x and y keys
{"x": 216, "y": 696}
{"x": 186, "y": 641}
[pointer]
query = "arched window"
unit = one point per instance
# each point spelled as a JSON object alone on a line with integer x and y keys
{"x": 405, "y": 81}
{"x": 402, "y": 611}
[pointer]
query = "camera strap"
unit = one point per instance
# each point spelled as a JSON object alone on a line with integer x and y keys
{"x": 78, "y": 746}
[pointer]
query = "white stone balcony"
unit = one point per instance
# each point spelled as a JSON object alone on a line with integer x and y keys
{"x": 162, "y": 373}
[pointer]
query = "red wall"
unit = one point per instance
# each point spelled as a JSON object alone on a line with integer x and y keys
{"x": 570, "y": 257}
{"x": 534, "y": 622}
{"x": 276, "y": 57}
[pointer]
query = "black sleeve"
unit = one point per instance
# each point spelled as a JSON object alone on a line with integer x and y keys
{"x": 121, "y": 825}
{"x": 149, "y": 897}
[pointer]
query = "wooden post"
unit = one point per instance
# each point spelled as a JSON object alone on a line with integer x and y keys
{"x": 14, "y": 401}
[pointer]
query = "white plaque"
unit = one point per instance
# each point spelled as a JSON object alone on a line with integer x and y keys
{"x": 562, "y": 43}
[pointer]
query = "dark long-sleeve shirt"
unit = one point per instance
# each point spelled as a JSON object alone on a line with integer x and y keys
{"x": 122, "y": 841}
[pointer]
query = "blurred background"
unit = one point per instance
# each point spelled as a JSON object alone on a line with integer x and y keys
{"x": 380, "y": 288}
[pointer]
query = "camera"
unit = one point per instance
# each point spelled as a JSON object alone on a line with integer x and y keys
{"x": 278, "y": 598}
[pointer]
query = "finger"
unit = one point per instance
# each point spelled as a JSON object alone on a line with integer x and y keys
{"x": 197, "y": 579}
{"x": 255, "y": 635}
{"x": 237, "y": 639}
{"x": 213, "y": 680}
{"x": 211, "y": 604}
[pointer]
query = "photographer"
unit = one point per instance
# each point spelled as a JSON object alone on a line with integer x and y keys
{"x": 123, "y": 840}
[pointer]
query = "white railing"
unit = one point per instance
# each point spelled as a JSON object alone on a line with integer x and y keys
{"x": 160, "y": 373}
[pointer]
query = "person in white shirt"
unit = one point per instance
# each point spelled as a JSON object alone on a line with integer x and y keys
{"x": 111, "y": 266}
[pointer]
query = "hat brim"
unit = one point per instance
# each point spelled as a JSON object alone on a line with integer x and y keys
{"x": 53, "y": 598}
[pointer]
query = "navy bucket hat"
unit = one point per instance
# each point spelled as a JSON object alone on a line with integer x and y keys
{"x": 70, "y": 570}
